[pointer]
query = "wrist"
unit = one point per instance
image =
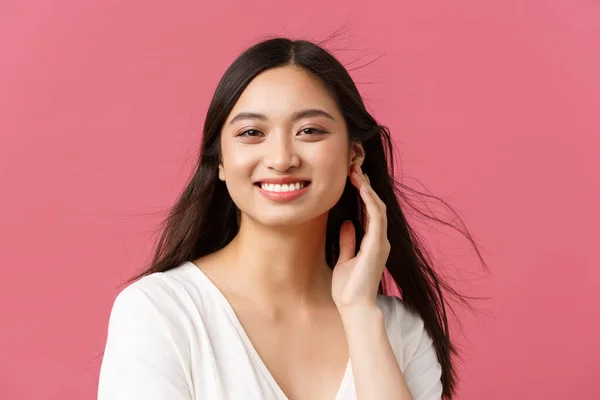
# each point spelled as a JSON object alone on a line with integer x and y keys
{"x": 360, "y": 314}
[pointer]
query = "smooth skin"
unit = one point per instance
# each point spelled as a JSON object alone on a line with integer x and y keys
{"x": 304, "y": 320}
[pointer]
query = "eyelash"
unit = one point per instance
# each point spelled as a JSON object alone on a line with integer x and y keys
{"x": 317, "y": 131}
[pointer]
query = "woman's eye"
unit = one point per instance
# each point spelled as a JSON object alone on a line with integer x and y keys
{"x": 250, "y": 132}
{"x": 311, "y": 131}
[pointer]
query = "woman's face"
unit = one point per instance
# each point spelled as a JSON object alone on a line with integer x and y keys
{"x": 285, "y": 149}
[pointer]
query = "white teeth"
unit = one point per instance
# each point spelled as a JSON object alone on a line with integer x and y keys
{"x": 277, "y": 188}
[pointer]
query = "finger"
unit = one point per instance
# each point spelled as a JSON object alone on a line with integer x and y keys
{"x": 347, "y": 242}
{"x": 368, "y": 183}
{"x": 380, "y": 202}
{"x": 360, "y": 180}
{"x": 375, "y": 236}
{"x": 377, "y": 228}
{"x": 356, "y": 177}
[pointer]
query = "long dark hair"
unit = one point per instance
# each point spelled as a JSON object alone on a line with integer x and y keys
{"x": 204, "y": 218}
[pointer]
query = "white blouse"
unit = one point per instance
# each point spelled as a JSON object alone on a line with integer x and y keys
{"x": 174, "y": 336}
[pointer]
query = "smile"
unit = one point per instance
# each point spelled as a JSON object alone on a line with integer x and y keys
{"x": 282, "y": 192}
{"x": 286, "y": 187}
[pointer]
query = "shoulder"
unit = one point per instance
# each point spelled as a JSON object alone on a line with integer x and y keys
{"x": 156, "y": 290}
{"x": 148, "y": 345}
{"x": 404, "y": 326}
{"x": 399, "y": 315}
{"x": 413, "y": 347}
{"x": 156, "y": 300}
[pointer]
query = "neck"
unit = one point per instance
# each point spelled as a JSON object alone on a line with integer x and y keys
{"x": 280, "y": 266}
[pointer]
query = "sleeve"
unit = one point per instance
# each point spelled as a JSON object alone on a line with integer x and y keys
{"x": 422, "y": 369}
{"x": 147, "y": 354}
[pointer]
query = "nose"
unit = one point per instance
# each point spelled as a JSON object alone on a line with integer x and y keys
{"x": 281, "y": 153}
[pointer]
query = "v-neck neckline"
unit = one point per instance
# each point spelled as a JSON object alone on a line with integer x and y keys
{"x": 253, "y": 352}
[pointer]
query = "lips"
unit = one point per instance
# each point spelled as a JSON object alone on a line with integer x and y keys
{"x": 282, "y": 179}
{"x": 282, "y": 192}
{"x": 278, "y": 187}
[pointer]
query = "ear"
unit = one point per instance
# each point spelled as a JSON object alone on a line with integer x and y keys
{"x": 221, "y": 172}
{"x": 357, "y": 155}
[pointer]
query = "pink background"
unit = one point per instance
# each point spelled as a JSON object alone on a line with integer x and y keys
{"x": 494, "y": 104}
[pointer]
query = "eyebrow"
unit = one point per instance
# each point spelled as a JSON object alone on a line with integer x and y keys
{"x": 311, "y": 112}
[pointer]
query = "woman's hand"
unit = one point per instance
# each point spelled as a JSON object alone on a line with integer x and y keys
{"x": 356, "y": 278}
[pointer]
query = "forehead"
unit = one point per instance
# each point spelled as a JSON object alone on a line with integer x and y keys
{"x": 279, "y": 92}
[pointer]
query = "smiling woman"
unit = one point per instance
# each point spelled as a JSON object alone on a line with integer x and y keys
{"x": 267, "y": 279}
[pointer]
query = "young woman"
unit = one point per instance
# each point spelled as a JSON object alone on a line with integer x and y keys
{"x": 266, "y": 282}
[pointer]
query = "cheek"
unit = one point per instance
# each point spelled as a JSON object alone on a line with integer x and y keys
{"x": 332, "y": 167}
{"x": 336, "y": 169}
{"x": 237, "y": 165}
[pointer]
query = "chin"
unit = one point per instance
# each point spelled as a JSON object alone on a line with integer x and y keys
{"x": 286, "y": 217}
{"x": 280, "y": 219}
